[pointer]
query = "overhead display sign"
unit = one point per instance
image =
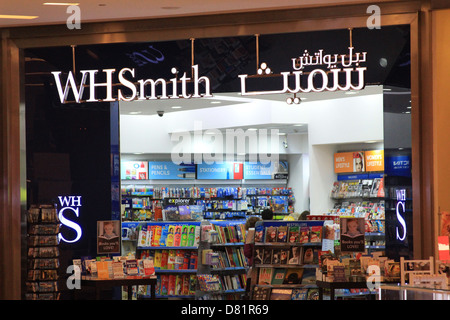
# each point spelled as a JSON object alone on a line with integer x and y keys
{"x": 134, "y": 170}
{"x": 374, "y": 160}
{"x": 221, "y": 171}
{"x": 169, "y": 170}
{"x": 345, "y": 162}
{"x": 272, "y": 170}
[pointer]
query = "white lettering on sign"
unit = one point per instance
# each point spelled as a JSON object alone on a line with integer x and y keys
{"x": 400, "y": 208}
{"x": 374, "y": 157}
{"x": 401, "y": 163}
{"x": 71, "y": 203}
{"x": 146, "y": 88}
{"x": 342, "y": 72}
{"x": 338, "y": 65}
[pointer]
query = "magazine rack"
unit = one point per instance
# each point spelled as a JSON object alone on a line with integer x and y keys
{"x": 43, "y": 253}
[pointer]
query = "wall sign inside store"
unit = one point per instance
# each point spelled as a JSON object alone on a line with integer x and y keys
{"x": 399, "y": 209}
{"x": 71, "y": 203}
{"x": 374, "y": 160}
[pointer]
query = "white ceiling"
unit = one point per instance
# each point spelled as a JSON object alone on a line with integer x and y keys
{"x": 150, "y": 107}
{"x": 109, "y": 10}
{"x": 224, "y": 100}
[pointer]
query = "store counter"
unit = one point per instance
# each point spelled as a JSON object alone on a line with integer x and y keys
{"x": 332, "y": 286}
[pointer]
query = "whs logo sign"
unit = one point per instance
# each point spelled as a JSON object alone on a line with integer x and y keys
{"x": 70, "y": 206}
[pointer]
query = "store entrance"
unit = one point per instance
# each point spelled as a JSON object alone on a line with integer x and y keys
{"x": 229, "y": 153}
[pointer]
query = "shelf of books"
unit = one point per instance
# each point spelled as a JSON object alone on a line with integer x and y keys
{"x": 224, "y": 260}
{"x": 286, "y": 256}
{"x": 184, "y": 252}
{"x": 43, "y": 253}
{"x": 173, "y": 246}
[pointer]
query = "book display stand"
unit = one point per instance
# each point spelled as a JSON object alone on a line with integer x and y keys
{"x": 43, "y": 253}
{"x": 285, "y": 259}
{"x": 223, "y": 258}
{"x": 175, "y": 249}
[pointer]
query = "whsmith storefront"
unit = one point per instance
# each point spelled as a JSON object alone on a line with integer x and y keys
{"x": 63, "y": 92}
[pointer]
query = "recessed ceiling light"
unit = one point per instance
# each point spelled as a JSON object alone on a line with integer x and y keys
{"x": 298, "y": 125}
{"x": 215, "y": 102}
{"x": 12, "y": 16}
{"x": 281, "y": 133}
{"x": 387, "y": 89}
{"x": 61, "y": 3}
{"x": 135, "y": 112}
{"x": 408, "y": 107}
{"x": 252, "y": 129}
{"x": 176, "y": 107}
{"x": 371, "y": 141}
{"x": 351, "y": 92}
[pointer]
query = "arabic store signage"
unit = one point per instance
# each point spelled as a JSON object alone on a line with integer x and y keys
{"x": 339, "y": 74}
